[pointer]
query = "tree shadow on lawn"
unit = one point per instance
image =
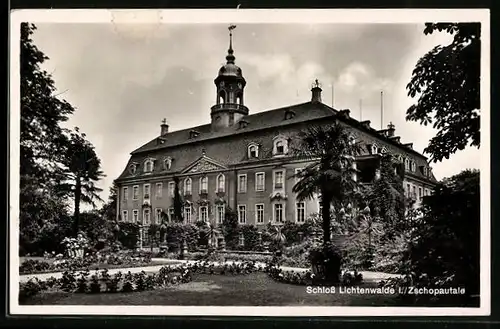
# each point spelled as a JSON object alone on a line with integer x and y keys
{"x": 255, "y": 289}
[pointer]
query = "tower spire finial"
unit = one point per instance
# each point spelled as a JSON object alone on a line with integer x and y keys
{"x": 230, "y": 57}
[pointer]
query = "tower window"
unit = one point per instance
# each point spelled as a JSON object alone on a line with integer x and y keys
{"x": 222, "y": 97}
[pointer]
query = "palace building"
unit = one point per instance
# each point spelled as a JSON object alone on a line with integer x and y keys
{"x": 242, "y": 161}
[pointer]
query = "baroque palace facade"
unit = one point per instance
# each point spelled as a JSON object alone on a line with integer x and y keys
{"x": 242, "y": 161}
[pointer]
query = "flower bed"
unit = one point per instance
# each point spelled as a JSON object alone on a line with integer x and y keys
{"x": 98, "y": 260}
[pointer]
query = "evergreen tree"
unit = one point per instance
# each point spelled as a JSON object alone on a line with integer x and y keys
{"x": 177, "y": 201}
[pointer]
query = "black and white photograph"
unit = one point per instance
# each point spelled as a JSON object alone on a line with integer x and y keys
{"x": 249, "y": 162}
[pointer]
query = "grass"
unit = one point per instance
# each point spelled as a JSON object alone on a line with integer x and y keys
{"x": 255, "y": 289}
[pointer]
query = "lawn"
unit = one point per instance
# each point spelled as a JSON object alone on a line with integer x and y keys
{"x": 255, "y": 289}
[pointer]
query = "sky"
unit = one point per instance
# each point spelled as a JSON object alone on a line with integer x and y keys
{"x": 124, "y": 79}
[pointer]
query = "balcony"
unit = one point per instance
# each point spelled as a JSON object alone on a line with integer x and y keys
{"x": 228, "y": 106}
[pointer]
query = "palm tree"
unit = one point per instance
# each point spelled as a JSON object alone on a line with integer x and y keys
{"x": 212, "y": 232}
{"x": 277, "y": 235}
{"x": 81, "y": 171}
{"x": 331, "y": 151}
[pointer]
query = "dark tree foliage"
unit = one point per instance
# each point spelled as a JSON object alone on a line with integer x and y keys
{"x": 108, "y": 210}
{"x": 447, "y": 81}
{"x": 81, "y": 172}
{"x": 230, "y": 228}
{"x": 387, "y": 199}
{"x": 446, "y": 239}
{"x": 41, "y": 114}
{"x": 331, "y": 151}
{"x": 178, "y": 204}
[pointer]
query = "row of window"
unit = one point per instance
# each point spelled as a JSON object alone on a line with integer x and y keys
{"x": 260, "y": 185}
{"x": 149, "y": 165}
{"x": 410, "y": 165}
{"x": 203, "y": 214}
{"x": 280, "y": 147}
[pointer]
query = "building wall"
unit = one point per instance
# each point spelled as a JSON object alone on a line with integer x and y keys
{"x": 232, "y": 154}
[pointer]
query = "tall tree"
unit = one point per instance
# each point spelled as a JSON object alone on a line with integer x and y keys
{"x": 42, "y": 112}
{"x": 331, "y": 152}
{"x": 81, "y": 172}
{"x": 447, "y": 81}
{"x": 41, "y": 137}
{"x": 177, "y": 201}
{"x": 108, "y": 210}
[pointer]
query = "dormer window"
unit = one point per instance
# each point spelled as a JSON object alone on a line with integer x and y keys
{"x": 193, "y": 134}
{"x": 132, "y": 168}
{"x": 167, "y": 163}
{"x": 253, "y": 151}
{"x": 289, "y": 114}
{"x": 243, "y": 124}
{"x": 384, "y": 150}
{"x": 148, "y": 165}
{"x": 374, "y": 149}
{"x": 352, "y": 139}
{"x": 280, "y": 146}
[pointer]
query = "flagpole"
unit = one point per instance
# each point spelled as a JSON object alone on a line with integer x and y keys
{"x": 332, "y": 96}
{"x": 360, "y": 110}
{"x": 381, "y": 110}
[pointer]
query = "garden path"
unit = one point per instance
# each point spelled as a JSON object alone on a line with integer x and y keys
{"x": 367, "y": 275}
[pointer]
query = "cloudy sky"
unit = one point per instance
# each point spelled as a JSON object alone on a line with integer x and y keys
{"x": 124, "y": 79}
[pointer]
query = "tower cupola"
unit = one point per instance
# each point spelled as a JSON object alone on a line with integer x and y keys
{"x": 230, "y": 84}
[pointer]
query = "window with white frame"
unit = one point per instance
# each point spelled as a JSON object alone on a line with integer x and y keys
{"x": 125, "y": 216}
{"x": 187, "y": 186}
{"x": 147, "y": 191}
{"x": 242, "y": 214}
{"x": 135, "y": 215}
{"x": 158, "y": 212}
{"x": 279, "y": 179}
{"x": 242, "y": 183}
{"x": 171, "y": 213}
{"x": 187, "y": 213}
{"x": 241, "y": 239}
{"x": 146, "y": 217}
{"x": 204, "y": 185}
{"x": 374, "y": 149}
{"x": 253, "y": 151}
{"x": 278, "y": 213}
{"x": 221, "y": 183}
{"x": 384, "y": 150}
{"x": 135, "y": 192}
{"x": 260, "y": 181}
{"x": 167, "y": 163}
{"x": 259, "y": 213}
{"x": 219, "y": 213}
{"x": 171, "y": 188}
{"x": 300, "y": 209}
{"x": 159, "y": 190}
{"x": 203, "y": 214}
{"x": 280, "y": 146}
{"x": 148, "y": 165}
{"x": 125, "y": 194}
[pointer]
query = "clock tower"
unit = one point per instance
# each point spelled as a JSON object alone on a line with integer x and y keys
{"x": 230, "y": 85}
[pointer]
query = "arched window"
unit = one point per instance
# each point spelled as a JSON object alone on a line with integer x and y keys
{"x": 374, "y": 149}
{"x": 253, "y": 151}
{"x": 204, "y": 185}
{"x": 221, "y": 180}
{"x": 222, "y": 97}
{"x": 384, "y": 150}
{"x": 187, "y": 186}
{"x": 167, "y": 163}
{"x": 148, "y": 165}
{"x": 280, "y": 146}
{"x": 133, "y": 168}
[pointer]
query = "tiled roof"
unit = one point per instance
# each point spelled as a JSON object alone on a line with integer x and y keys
{"x": 258, "y": 121}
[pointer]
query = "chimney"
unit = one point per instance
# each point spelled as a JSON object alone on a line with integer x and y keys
{"x": 391, "y": 129}
{"x": 409, "y": 145}
{"x": 316, "y": 92}
{"x": 164, "y": 127}
{"x": 397, "y": 139}
{"x": 345, "y": 113}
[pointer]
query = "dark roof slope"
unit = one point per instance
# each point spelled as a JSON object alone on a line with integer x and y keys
{"x": 268, "y": 119}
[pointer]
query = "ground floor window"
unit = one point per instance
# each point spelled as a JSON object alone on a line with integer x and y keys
{"x": 278, "y": 213}
{"x": 204, "y": 214}
{"x": 187, "y": 214}
{"x": 220, "y": 213}
{"x": 300, "y": 212}
{"x": 242, "y": 214}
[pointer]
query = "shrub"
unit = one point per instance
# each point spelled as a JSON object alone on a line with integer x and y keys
{"x": 177, "y": 232}
{"x": 82, "y": 286}
{"x": 95, "y": 285}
